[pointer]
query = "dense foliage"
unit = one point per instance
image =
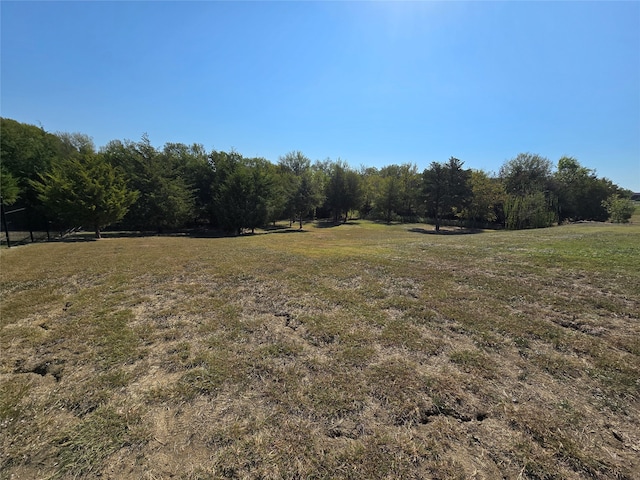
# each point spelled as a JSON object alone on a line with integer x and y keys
{"x": 136, "y": 186}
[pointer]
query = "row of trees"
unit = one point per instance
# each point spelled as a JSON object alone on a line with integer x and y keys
{"x": 137, "y": 186}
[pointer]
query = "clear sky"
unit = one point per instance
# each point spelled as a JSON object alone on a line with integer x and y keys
{"x": 371, "y": 83}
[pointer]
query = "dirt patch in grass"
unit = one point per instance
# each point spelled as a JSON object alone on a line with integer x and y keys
{"x": 361, "y": 351}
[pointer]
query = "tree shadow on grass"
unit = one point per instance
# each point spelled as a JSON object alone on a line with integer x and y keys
{"x": 220, "y": 234}
{"x": 332, "y": 224}
{"x": 289, "y": 230}
{"x": 86, "y": 236}
{"x": 282, "y": 229}
{"x": 446, "y": 231}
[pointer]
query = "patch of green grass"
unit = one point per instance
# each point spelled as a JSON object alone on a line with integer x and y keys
{"x": 474, "y": 361}
{"x": 281, "y": 350}
{"x": 116, "y": 343}
{"x": 31, "y": 298}
{"x": 11, "y": 394}
{"x": 84, "y": 447}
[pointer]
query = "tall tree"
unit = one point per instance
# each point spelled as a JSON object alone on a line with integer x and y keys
{"x": 369, "y": 182}
{"x": 260, "y": 193}
{"x": 580, "y": 192}
{"x": 388, "y": 199}
{"x": 9, "y": 187}
{"x": 343, "y": 192}
{"x": 303, "y": 187}
{"x": 166, "y": 199}
{"x": 446, "y": 189}
{"x": 85, "y": 190}
{"x": 487, "y": 198}
{"x": 26, "y": 151}
{"x": 306, "y": 196}
{"x": 531, "y": 200}
{"x": 191, "y": 163}
{"x": 243, "y": 191}
{"x": 409, "y": 190}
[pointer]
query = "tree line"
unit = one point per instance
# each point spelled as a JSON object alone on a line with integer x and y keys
{"x": 132, "y": 185}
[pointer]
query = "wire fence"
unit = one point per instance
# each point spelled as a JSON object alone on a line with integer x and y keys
{"x": 20, "y": 224}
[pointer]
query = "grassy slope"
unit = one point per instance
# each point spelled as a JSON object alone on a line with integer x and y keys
{"x": 361, "y": 351}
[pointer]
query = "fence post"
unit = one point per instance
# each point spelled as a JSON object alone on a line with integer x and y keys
{"x": 4, "y": 222}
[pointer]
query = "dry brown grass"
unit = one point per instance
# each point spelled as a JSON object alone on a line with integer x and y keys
{"x": 361, "y": 351}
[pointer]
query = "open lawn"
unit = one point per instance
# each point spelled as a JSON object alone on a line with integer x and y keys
{"x": 359, "y": 351}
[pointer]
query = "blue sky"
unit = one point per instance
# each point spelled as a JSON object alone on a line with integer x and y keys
{"x": 371, "y": 83}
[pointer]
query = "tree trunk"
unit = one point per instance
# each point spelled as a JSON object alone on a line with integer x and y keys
{"x": 98, "y": 235}
{"x": 300, "y": 221}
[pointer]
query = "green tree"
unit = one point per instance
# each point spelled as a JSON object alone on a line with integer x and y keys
{"x": 531, "y": 201}
{"x": 526, "y": 173}
{"x": 278, "y": 201}
{"x": 166, "y": 197}
{"x": 532, "y": 210}
{"x": 26, "y": 151}
{"x": 306, "y": 196}
{"x": 446, "y": 188}
{"x": 388, "y": 201}
{"x": 487, "y": 198}
{"x": 231, "y": 200}
{"x": 343, "y": 192}
{"x": 580, "y": 192}
{"x": 410, "y": 192}
{"x": 243, "y": 191}
{"x": 394, "y": 196}
{"x": 9, "y": 187}
{"x": 260, "y": 193}
{"x": 370, "y": 186}
{"x": 304, "y": 189}
{"x": 227, "y": 190}
{"x": 619, "y": 208}
{"x": 191, "y": 163}
{"x": 85, "y": 190}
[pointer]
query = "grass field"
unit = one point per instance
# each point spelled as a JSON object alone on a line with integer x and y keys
{"x": 359, "y": 351}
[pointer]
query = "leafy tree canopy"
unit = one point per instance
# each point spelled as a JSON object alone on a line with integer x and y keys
{"x": 526, "y": 173}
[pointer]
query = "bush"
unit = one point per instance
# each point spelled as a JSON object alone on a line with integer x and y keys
{"x": 620, "y": 209}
